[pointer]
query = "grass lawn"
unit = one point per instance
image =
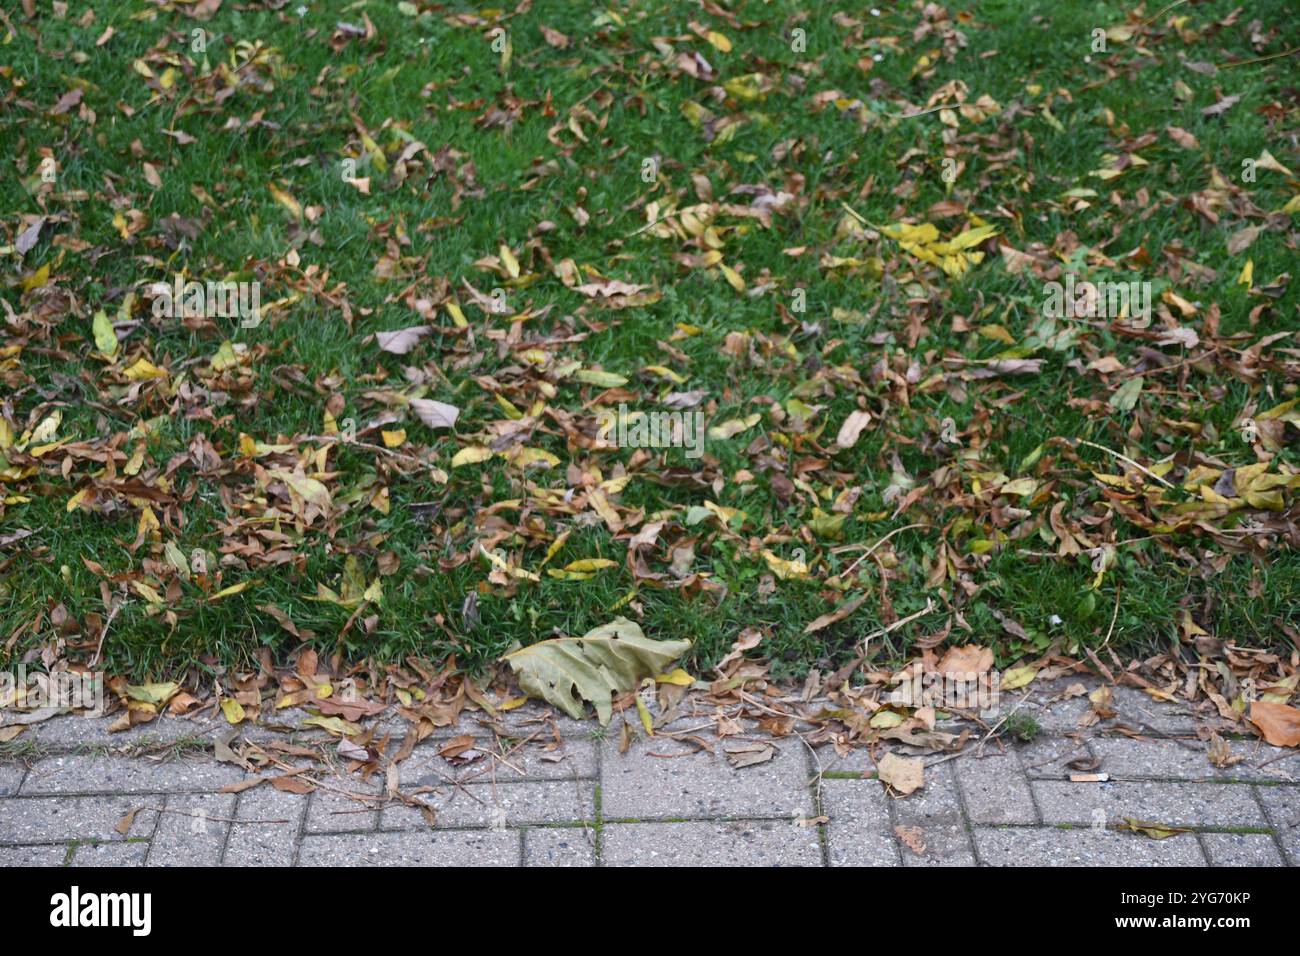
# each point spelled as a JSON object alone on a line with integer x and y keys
{"x": 695, "y": 207}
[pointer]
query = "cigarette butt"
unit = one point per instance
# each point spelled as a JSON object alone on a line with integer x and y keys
{"x": 1089, "y": 777}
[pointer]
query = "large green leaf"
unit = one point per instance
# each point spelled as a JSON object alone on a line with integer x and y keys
{"x": 609, "y": 659}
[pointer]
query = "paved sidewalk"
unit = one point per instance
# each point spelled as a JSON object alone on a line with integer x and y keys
{"x": 568, "y": 797}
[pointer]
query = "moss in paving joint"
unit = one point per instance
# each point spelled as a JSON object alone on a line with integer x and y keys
{"x": 1024, "y": 727}
{"x": 599, "y": 825}
{"x": 22, "y": 751}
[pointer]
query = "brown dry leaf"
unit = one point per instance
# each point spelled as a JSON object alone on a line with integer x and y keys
{"x": 401, "y": 341}
{"x": 902, "y": 774}
{"x": 970, "y": 659}
{"x": 435, "y": 414}
{"x": 1220, "y": 753}
{"x": 456, "y": 747}
{"x": 1222, "y": 106}
{"x": 749, "y": 754}
{"x": 1156, "y": 831}
{"x": 124, "y": 825}
{"x": 852, "y": 428}
{"x": 749, "y": 639}
{"x": 839, "y": 614}
{"x": 1241, "y": 240}
{"x": 1279, "y": 724}
{"x": 912, "y": 837}
{"x": 292, "y": 783}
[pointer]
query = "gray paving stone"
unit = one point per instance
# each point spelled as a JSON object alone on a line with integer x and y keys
{"x": 1177, "y": 804}
{"x": 11, "y": 775}
{"x": 1283, "y": 806}
{"x": 1061, "y": 716}
{"x": 54, "y": 819}
{"x": 735, "y": 843}
{"x": 995, "y": 788}
{"x": 111, "y": 854}
{"x": 265, "y": 843}
{"x": 330, "y": 812}
{"x": 193, "y": 830}
{"x": 936, "y": 809}
{"x": 1046, "y": 755}
{"x": 1262, "y": 762}
{"x": 419, "y": 848}
{"x": 76, "y": 773}
{"x": 531, "y": 718}
{"x": 72, "y": 731}
{"x": 1241, "y": 849}
{"x": 683, "y": 783}
{"x": 1124, "y": 757}
{"x": 860, "y": 831}
{"x": 1136, "y": 708}
{"x": 1082, "y": 846}
{"x": 533, "y": 761}
{"x": 856, "y": 761}
{"x": 505, "y": 804}
{"x": 559, "y": 846}
{"x": 49, "y": 855}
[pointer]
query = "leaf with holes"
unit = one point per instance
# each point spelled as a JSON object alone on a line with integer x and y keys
{"x": 607, "y": 660}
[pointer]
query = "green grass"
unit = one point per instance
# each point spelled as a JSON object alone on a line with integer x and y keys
{"x": 438, "y": 80}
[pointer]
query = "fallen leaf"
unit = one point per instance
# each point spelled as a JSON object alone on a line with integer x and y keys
{"x": 902, "y": 774}
{"x": 1279, "y": 724}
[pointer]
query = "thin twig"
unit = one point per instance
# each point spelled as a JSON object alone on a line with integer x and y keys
{"x": 850, "y": 547}
{"x": 1261, "y": 59}
{"x": 1113, "y": 616}
{"x": 1124, "y": 458}
{"x": 207, "y": 816}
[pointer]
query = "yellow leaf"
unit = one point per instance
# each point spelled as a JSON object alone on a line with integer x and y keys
{"x": 587, "y": 565}
{"x": 596, "y": 377}
{"x": 471, "y": 455}
{"x": 1018, "y": 677}
{"x": 333, "y": 725}
{"x": 555, "y": 547}
{"x": 1247, "y": 276}
{"x": 38, "y": 278}
{"x": 309, "y": 489}
{"x": 148, "y": 593}
{"x": 677, "y": 677}
{"x": 285, "y": 200}
{"x": 747, "y": 87}
{"x": 227, "y": 592}
{"x": 394, "y": 438}
{"x": 233, "y": 710}
{"x": 47, "y": 430}
{"x": 509, "y": 261}
{"x": 733, "y": 277}
{"x": 501, "y": 564}
{"x": 568, "y": 575}
{"x": 105, "y": 337}
{"x": 157, "y": 694}
{"x": 786, "y": 570}
{"x": 734, "y": 426}
{"x": 144, "y": 370}
{"x": 525, "y": 457}
{"x": 719, "y": 41}
{"x": 644, "y": 713}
